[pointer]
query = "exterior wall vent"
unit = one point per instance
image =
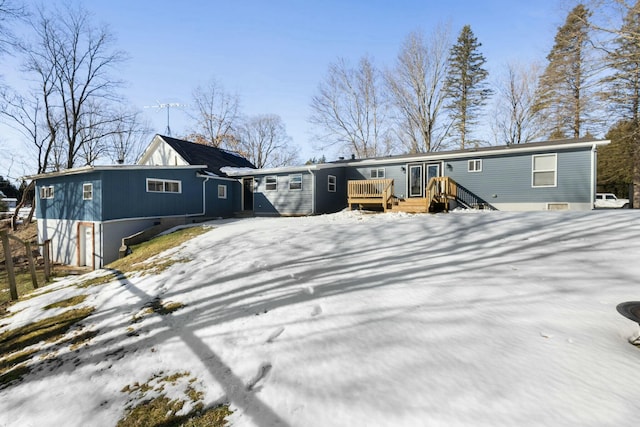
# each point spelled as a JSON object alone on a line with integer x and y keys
{"x": 557, "y": 206}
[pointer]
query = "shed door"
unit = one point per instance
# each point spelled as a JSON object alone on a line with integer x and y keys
{"x": 85, "y": 250}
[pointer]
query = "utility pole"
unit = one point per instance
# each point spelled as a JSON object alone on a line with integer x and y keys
{"x": 168, "y": 107}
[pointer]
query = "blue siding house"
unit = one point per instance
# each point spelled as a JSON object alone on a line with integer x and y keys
{"x": 86, "y": 212}
{"x": 549, "y": 175}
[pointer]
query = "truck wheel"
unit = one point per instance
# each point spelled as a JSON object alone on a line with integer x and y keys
{"x": 625, "y": 206}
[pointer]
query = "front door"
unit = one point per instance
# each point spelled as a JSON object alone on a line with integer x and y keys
{"x": 416, "y": 181}
{"x": 247, "y": 194}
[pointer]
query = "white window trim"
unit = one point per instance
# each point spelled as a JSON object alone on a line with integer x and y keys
{"x": 554, "y": 170}
{"x": 333, "y": 184}
{"x": 471, "y": 165}
{"x": 266, "y": 183}
{"x": 379, "y": 173}
{"x": 164, "y": 181}
{"x": 291, "y": 181}
{"x": 46, "y": 192}
{"x": 88, "y": 186}
{"x": 224, "y": 191}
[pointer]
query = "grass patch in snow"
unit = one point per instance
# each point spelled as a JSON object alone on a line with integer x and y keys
{"x": 69, "y": 302}
{"x": 156, "y": 306}
{"x": 142, "y": 255}
{"x": 160, "y": 410}
{"x": 97, "y": 281}
{"x": 14, "y": 341}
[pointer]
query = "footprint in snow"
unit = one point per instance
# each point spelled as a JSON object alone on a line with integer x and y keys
{"x": 275, "y": 334}
{"x": 263, "y": 371}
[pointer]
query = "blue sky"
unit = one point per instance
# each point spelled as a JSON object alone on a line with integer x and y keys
{"x": 275, "y": 53}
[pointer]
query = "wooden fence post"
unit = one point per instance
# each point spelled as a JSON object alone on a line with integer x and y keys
{"x": 47, "y": 263}
{"x": 4, "y": 236}
{"x": 32, "y": 265}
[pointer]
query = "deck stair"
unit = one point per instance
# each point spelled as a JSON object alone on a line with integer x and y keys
{"x": 379, "y": 193}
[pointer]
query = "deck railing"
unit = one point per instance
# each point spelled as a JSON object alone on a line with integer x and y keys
{"x": 370, "y": 191}
{"x": 439, "y": 189}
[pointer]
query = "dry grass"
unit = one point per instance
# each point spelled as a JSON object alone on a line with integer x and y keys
{"x": 142, "y": 257}
{"x": 14, "y": 342}
{"x": 161, "y": 411}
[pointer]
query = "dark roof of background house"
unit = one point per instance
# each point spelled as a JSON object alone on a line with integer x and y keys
{"x": 214, "y": 158}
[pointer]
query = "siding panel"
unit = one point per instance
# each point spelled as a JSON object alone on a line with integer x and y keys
{"x": 284, "y": 201}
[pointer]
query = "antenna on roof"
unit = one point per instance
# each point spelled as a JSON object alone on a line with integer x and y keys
{"x": 168, "y": 107}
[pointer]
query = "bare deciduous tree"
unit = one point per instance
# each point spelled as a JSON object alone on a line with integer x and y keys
{"x": 9, "y": 11}
{"x": 264, "y": 141}
{"x": 72, "y": 61}
{"x": 217, "y": 116}
{"x": 349, "y": 110}
{"x": 128, "y": 142}
{"x": 516, "y": 119}
{"x": 416, "y": 86}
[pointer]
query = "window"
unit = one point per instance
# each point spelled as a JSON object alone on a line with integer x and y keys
{"x": 163, "y": 186}
{"x": 222, "y": 191}
{"x": 377, "y": 173}
{"x": 295, "y": 182}
{"x": 271, "y": 183}
{"x": 475, "y": 165}
{"x": 331, "y": 182}
{"x": 544, "y": 170}
{"x": 87, "y": 191}
{"x": 46, "y": 192}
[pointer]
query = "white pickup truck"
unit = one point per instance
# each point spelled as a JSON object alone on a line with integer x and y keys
{"x": 609, "y": 200}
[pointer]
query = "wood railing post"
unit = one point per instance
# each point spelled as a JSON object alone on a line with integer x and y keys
{"x": 32, "y": 265}
{"x": 13, "y": 289}
{"x": 47, "y": 263}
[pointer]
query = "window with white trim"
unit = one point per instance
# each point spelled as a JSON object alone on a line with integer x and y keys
{"x": 222, "y": 191}
{"x": 376, "y": 173}
{"x": 331, "y": 183}
{"x": 544, "y": 170}
{"x": 163, "y": 186}
{"x": 295, "y": 182}
{"x": 271, "y": 183}
{"x": 87, "y": 191}
{"x": 46, "y": 192}
{"x": 474, "y": 165}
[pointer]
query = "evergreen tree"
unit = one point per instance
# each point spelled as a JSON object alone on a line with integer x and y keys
{"x": 565, "y": 88}
{"x": 466, "y": 87}
{"x": 623, "y": 85}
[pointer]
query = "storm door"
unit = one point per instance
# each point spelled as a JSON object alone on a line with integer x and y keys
{"x": 416, "y": 181}
{"x": 433, "y": 170}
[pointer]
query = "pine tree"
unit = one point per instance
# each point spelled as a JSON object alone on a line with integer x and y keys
{"x": 466, "y": 86}
{"x": 565, "y": 88}
{"x": 620, "y": 162}
{"x": 623, "y": 85}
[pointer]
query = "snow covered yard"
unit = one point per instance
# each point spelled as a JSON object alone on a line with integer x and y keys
{"x": 460, "y": 319}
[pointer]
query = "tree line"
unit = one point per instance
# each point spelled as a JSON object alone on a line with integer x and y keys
{"x": 438, "y": 94}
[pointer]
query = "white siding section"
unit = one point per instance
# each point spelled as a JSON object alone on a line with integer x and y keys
{"x": 161, "y": 154}
{"x": 64, "y": 240}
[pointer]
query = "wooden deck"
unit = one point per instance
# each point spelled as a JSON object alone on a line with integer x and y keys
{"x": 370, "y": 192}
{"x": 379, "y": 193}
